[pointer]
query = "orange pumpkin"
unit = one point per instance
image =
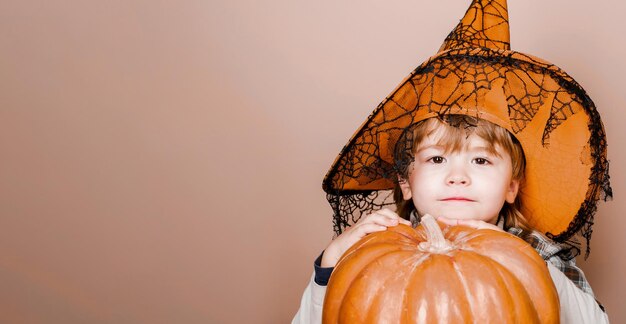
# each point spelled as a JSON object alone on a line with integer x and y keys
{"x": 424, "y": 275}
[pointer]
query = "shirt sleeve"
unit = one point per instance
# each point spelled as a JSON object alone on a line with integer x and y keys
{"x": 576, "y": 305}
{"x": 322, "y": 275}
{"x": 312, "y": 301}
{"x": 311, "y": 305}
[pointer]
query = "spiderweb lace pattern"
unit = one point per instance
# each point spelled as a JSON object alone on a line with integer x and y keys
{"x": 457, "y": 82}
{"x": 474, "y": 71}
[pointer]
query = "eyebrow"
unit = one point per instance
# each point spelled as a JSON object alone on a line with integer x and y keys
{"x": 479, "y": 149}
{"x": 489, "y": 151}
{"x": 433, "y": 146}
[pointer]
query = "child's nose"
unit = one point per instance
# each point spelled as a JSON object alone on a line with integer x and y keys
{"x": 458, "y": 179}
{"x": 457, "y": 176}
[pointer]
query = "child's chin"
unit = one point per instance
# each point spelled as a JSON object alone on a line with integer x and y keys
{"x": 459, "y": 213}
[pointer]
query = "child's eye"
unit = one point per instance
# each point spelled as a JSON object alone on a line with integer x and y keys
{"x": 437, "y": 159}
{"x": 481, "y": 161}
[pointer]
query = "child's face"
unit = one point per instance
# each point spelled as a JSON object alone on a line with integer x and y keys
{"x": 471, "y": 183}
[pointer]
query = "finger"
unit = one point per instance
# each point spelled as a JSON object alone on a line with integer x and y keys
{"x": 380, "y": 219}
{"x": 393, "y": 215}
{"x": 368, "y": 228}
{"x": 386, "y": 221}
{"x": 389, "y": 213}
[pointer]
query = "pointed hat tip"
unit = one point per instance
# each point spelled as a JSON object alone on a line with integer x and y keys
{"x": 485, "y": 24}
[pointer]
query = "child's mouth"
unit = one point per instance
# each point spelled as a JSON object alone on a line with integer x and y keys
{"x": 457, "y": 199}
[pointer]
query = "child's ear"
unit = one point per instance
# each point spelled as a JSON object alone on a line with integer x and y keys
{"x": 511, "y": 192}
{"x": 405, "y": 188}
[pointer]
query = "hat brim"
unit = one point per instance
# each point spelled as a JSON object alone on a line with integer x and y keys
{"x": 544, "y": 108}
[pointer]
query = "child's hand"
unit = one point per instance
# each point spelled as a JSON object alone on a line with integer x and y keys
{"x": 375, "y": 222}
{"x": 477, "y": 224}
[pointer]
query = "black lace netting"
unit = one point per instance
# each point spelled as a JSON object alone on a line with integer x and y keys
{"x": 484, "y": 32}
{"x": 527, "y": 83}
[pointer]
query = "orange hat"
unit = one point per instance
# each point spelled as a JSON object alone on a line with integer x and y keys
{"x": 475, "y": 73}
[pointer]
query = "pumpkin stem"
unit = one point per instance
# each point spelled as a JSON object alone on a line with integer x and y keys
{"x": 435, "y": 241}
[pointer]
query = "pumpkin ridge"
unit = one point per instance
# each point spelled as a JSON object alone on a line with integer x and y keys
{"x": 380, "y": 238}
{"x": 342, "y": 280}
{"x": 406, "y": 306}
{"x": 416, "y": 265}
{"x": 373, "y": 286}
{"x": 423, "y": 303}
{"x": 466, "y": 289}
{"x": 513, "y": 285}
{"x": 500, "y": 249}
{"x": 523, "y": 262}
{"x": 506, "y": 274}
{"x": 404, "y": 277}
{"x": 461, "y": 234}
{"x": 501, "y": 286}
{"x": 373, "y": 246}
{"x": 498, "y": 242}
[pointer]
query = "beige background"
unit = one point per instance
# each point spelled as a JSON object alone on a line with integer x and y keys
{"x": 161, "y": 161}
